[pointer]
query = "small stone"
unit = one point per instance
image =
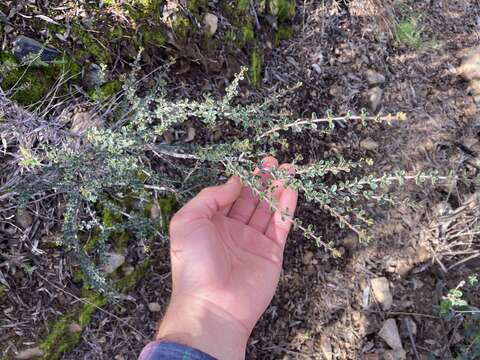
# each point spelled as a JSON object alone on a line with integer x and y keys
{"x": 74, "y": 328}
{"x": 326, "y": 347}
{"x": 375, "y": 96}
{"x": 190, "y": 134}
{"x": 350, "y": 241}
{"x": 155, "y": 212}
{"x": 23, "y": 218}
{"x": 29, "y": 353}
{"x": 93, "y": 77}
{"x": 381, "y": 291}
{"x": 442, "y": 208}
{"x": 82, "y": 121}
{"x": 398, "y": 354}
{"x": 411, "y": 325}
{"x": 3, "y": 17}
{"x": 389, "y": 334}
{"x": 374, "y": 78}
{"x": 127, "y": 270}
{"x": 211, "y": 23}
{"x": 317, "y": 69}
{"x": 368, "y": 144}
{"x": 470, "y": 68}
{"x": 307, "y": 258}
{"x": 112, "y": 262}
{"x": 154, "y": 307}
{"x": 25, "y": 47}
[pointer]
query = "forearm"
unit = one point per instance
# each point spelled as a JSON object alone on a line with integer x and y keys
{"x": 203, "y": 326}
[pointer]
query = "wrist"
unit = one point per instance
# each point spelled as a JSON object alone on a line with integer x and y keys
{"x": 204, "y": 326}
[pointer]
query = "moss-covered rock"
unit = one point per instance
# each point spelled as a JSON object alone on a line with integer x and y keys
{"x": 182, "y": 27}
{"x": 29, "y": 83}
{"x": 106, "y": 90}
{"x": 154, "y": 37}
{"x": 3, "y": 290}
{"x": 91, "y": 47}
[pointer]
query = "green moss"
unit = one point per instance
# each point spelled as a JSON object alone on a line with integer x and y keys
{"x": 3, "y": 290}
{"x": 128, "y": 282}
{"x": 141, "y": 10}
{"x": 408, "y": 33}
{"x": 33, "y": 81}
{"x": 154, "y": 37}
{"x": 255, "y": 68}
{"x": 283, "y": 33}
{"x": 106, "y": 90}
{"x": 196, "y": 5}
{"x": 91, "y": 46}
{"x": 283, "y": 9}
{"x": 115, "y": 33}
{"x": 182, "y": 26}
{"x": 247, "y": 35}
{"x": 60, "y": 339}
{"x": 242, "y": 6}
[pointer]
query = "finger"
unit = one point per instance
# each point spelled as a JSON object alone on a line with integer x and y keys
{"x": 262, "y": 215}
{"x": 280, "y": 223}
{"x": 211, "y": 200}
{"x": 243, "y": 208}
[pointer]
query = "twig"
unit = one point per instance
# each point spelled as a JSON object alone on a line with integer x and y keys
{"x": 300, "y": 122}
{"x": 410, "y": 335}
{"x": 464, "y": 260}
{"x": 254, "y": 11}
{"x": 404, "y": 313}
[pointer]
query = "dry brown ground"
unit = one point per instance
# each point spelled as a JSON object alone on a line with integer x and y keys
{"x": 324, "y": 304}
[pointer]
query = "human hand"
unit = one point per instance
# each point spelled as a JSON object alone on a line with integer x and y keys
{"x": 226, "y": 252}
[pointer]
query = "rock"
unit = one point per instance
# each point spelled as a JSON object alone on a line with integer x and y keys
{"x": 368, "y": 144}
{"x": 410, "y": 324}
{"x": 470, "y": 68}
{"x": 389, "y": 334}
{"x": 3, "y": 17}
{"x": 374, "y": 78}
{"x": 25, "y": 48}
{"x": 29, "y": 353}
{"x": 317, "y": 68}
{"x": 93, "y": 77}
{"x": 74, "y": 328}
{"x": 326, "y": 347}
{"x": 155, "y": 211}
{"x": 399, "y": 354}
{"x": 307, "y": 258}
{"x": 350, "y": 241}
{"x": 127, "y": 270}
{"x": 154, "y": 307}
{"x": 375, "y": 96}
{"x": 82, "y": 121}
{"x": 442, "y": 208}
{"x": 190, "y": 134}
{"x": 23, "y": 218}
{"x": 210, "y": 22}
{"x": 112, "y": 262}
{"x": 381, "y": 291}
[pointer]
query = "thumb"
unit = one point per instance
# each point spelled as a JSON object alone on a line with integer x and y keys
{"x": 211, "y": 200}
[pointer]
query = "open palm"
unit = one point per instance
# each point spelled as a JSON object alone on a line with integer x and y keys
{"x": 227, "y": 248}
